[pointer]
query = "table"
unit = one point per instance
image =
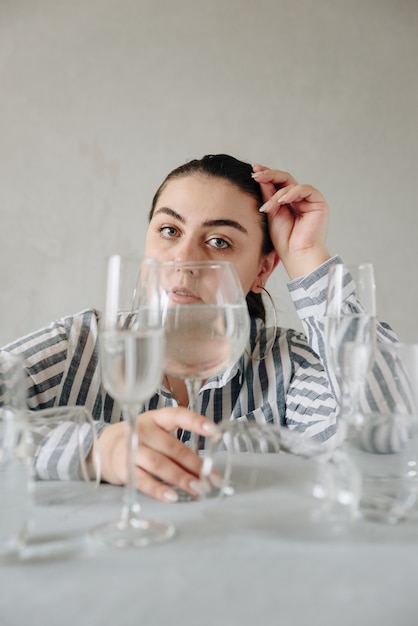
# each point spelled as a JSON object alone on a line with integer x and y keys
{"x": 263, "y": 560}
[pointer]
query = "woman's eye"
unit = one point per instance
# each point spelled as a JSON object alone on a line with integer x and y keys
{"x": 168, "y": 231}
{"x": 218, "y": 242}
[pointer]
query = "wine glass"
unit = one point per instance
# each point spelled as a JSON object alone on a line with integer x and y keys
{"x": 55, "y": 462}
{"x": 206, "y": 322}
{"x": 56, "y": 431}
{"x": 132, "y": 345}
{"x": 15, "y": 494}
{"x": 350, "y": 319}
{"x": 340, "y": 298}
{"x": 322, "y": 479}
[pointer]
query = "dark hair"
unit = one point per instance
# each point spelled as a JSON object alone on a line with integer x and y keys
{"x": 239, "y": 174}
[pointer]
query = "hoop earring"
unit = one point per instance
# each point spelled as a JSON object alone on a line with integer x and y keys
{"x": 273, "y": 340}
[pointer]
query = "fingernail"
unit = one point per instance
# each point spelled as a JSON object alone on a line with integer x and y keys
{"x": 282, "y": 198}
{"x": 210, "y": 427}
{"x": 255, "y": 174}
{"x": 170, "y": 496}
{"x": 204, "y": 487}
{"x": 195, "y": 486}
{"x": 266, "y": 206}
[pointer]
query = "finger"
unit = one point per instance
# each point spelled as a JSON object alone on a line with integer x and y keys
{"x": 153, "y": 467}
{"x": 153, "y": 487}
{"x": 297, "y": 193}
{"x": 171, "y": 418}
{"x": 292, "y": 195}
{"x": 169, "y": 447}
{"x": 158, "y": 430}
{"x": 270, "y": 181}
{"x": 277, "y": 177}
{"x": 257, "y": 167}
{"x": 267, "y": 189}
{"x": 159, "y": 480}
{"x": 278, "y": 199}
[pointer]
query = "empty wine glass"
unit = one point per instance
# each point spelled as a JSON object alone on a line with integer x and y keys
{"x": 132, "y": 343}
{"x": 206, "y": 322}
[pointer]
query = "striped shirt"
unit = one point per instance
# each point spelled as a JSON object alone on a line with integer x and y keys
{"x": 282, "y": 377}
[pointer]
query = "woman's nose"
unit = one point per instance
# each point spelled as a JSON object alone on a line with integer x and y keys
{"x": 189, "y": 251}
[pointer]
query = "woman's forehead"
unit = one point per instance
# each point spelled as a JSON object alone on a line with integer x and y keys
{"x": 200, "y": 192}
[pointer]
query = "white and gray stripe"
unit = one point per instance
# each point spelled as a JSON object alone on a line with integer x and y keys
{"x": 290, "y": 386}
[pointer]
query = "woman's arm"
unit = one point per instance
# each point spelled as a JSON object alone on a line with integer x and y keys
{"x": 61, "y": 363}
{"x": 62, "y": 367}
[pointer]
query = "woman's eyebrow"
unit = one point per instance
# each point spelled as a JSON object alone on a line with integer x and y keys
{"x": 211, "y": 223}
{"x": 223, "y": 222}
{"x": 170, "y": 212}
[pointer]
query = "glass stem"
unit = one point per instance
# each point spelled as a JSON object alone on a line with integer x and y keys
{"x": 131, "y": 507}
{"x": 193, "y": 385}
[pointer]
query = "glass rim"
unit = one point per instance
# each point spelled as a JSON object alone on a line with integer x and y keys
{"x": 11, "y": 357}
{"x": 202, "y": 263}
{"x": 133, "y": 257}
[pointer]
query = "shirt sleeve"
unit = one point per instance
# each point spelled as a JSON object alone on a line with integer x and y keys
{"x": 309, "y": 295}
{"x": 62, "y": 369}
{"x": 62, "y": 363}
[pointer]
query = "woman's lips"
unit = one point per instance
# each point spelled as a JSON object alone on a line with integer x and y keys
{"x": 181, "y": 295}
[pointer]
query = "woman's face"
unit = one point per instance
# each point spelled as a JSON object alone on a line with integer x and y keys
{"x": 198, "y": 217}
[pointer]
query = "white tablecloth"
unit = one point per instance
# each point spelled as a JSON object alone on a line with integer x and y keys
{"x": 260, "y": 561}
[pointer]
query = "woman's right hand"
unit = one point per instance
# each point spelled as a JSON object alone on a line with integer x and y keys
{"x": 298, "y": 220}
{"x": 159, "y": 455}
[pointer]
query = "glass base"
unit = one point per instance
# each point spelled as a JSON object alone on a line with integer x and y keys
{"x": 389, "y": 511}
{"x": 135, "y": 533}
{"x": 388, "y": 500}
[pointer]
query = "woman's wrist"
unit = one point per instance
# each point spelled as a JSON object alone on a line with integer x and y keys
{"x": 304, "y": 262}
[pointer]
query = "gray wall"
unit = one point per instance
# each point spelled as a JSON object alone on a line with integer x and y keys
{"x": 100, "y": 98}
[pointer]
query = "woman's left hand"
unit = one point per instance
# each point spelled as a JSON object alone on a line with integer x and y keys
{"x": 298, "y": 220}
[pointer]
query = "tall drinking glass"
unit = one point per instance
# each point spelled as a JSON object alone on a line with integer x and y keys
{"x": 131, "y": 347}
{"x": 382, "y": 436}
{"x": 15, "y": 494}
{"x": 350, "y": 318}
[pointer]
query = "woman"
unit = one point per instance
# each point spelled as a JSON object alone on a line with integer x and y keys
{"x": 215, "y": 208}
